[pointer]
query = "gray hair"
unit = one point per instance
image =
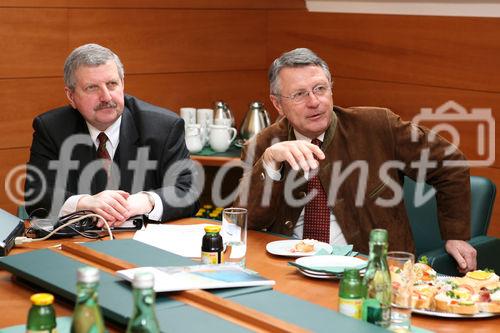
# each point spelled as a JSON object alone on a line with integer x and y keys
{"x": 295, "y": 58}
{"x": 88, "y": 55}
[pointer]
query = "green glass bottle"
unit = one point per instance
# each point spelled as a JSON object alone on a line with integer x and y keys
{"x": 377, "y": 282}
{"x": 351, "y": 293}
{"x": 87, "y": 316}
{"x": 41, "y": 317}
{"x": 143, "y": 319}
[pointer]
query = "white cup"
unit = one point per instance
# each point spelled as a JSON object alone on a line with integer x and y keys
{"x": 221, "y": 137}
{"x": 194, "y": 138}
{"x": 205, "y": 117}
{"x": 234, "y": 235}
{"x": 189, "y": 115}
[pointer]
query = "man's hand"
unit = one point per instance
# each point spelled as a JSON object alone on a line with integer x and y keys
{"x": 464, "y": 254}
{"x": 299, "y": 154}
{"x": 139, "y": 204}
{"x": 111, "y": 205}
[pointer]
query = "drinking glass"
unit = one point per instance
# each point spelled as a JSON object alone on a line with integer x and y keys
{"x": 234, "y": 235}
{"x": 401, "y": 268}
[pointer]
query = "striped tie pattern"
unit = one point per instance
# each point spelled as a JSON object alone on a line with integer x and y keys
{"x": 103, "y": 153}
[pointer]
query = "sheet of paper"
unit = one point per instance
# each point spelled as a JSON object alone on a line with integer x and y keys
{"x": 183, "y": 240}
{"x": 199, "y": 277}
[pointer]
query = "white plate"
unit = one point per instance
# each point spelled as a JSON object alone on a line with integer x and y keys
{"x": 330, "y": 261}
{"x": 282, "y": 248}
{"x": 453, "y": 315}
{"x": 318, "y": 275}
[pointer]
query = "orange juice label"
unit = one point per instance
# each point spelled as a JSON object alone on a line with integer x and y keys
{"x": 210, "y": 258}
{"x": 351, "y": 307}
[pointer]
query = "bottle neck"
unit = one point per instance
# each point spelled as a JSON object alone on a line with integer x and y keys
{"x": 144, "y": 297}
{"x": 378, "y": 256}
{"x": 378, "y": 250}
{"x": 86, "y": 292}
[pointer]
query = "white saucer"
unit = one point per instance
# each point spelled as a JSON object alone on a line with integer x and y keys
{"x": 319, "y": 275}
{"x": 282, "y": 248}
{"x": 317, "y": 262}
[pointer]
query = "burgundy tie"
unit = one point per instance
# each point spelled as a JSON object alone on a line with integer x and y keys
{"x": 317, "y": 213}
{"x": 102, "y": 152}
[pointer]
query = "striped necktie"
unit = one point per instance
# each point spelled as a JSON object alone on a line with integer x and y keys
{"x": 103, "y": 153}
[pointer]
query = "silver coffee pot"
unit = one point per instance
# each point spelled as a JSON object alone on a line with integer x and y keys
{"x": 223, "y": 114}
{"x": 255, "y": 120}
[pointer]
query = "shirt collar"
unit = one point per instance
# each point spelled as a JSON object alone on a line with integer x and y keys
{"x": 299, "y": 136}
{"x": 112, "y": 132}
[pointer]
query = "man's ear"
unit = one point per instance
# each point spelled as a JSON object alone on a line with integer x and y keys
{"x": 277, "y": 104}
{"x": 69, "y": 96}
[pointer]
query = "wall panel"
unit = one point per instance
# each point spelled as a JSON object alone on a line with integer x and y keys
{"x": 199, "y": 90}
{"x": 174, "y": 4}
{"x": 22, "y": 100}
{"x": 160, "y": 41}
{"x": 407, "y": 101}
{"x": 429, "y": 50}
{"x": 33, "y": 42}
{"x": 12, "y": 158}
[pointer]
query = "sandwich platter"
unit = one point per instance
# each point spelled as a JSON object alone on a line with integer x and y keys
{"x": 476, "y": 295}
{"x": 453, "y": 315}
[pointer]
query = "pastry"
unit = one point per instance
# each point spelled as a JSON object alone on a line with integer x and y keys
{"x": 305, "y": 245}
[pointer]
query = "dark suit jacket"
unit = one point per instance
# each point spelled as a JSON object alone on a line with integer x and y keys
{"x": 374, "y": 135}
{"x": 143, "y": 126}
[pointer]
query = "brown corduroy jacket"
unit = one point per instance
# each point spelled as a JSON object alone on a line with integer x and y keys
{"x": 360, "y": 143}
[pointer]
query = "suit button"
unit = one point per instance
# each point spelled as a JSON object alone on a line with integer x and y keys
{"x": 262, "y": 176}
{"x": 289, "y": 224}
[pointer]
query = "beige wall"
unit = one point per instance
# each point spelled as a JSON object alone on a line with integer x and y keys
{"x": 190, "y": 53}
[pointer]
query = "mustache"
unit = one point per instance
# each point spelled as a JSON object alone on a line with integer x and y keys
{"x": 106, "y": 105}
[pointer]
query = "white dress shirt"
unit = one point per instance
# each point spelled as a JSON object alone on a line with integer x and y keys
{"x": 336, "y": 235}
{"x": 113, "y": 134}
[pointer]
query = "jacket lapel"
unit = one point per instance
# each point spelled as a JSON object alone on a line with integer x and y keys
{"x": 127, "y": 149}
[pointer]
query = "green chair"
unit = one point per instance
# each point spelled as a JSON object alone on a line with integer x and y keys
{"x": 425, "y": 228}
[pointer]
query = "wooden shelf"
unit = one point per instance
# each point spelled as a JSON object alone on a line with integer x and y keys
{"x": 213, "y": 160}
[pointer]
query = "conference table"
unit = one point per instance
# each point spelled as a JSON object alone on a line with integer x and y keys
{"x": 14, "y": 296}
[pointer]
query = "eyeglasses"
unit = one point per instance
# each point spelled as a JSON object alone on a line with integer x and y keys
{"x": 300, "y": 96}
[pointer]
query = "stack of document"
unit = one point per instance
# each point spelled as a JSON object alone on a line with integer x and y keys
{"x": 183, "y": 240}
{"x": 199, "y": 277}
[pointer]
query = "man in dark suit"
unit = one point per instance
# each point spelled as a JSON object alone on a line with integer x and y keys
{"x": 108, "y": 152}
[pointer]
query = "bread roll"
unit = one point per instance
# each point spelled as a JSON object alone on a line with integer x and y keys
{"x": 464, "y": 307}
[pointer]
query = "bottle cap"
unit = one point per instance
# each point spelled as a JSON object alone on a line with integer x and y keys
{"x": 87, "y": 274}
{"x": 42, "y": 299}
{"x": 143, "y": 280}
{"x": 212, "y": 228}
{"x": 379, "y": 236}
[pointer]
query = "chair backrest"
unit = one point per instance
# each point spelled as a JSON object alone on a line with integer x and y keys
{"x": 424, "y": 220}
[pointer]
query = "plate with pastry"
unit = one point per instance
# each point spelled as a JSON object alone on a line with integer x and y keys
{"x": 298, "y": 247}
{"x": 476, "y": 295}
